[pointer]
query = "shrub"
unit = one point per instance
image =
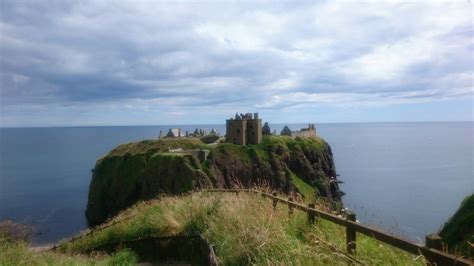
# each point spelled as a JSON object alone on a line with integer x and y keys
{"x": 209, "y": 139}
{"x": 14, "y": 232}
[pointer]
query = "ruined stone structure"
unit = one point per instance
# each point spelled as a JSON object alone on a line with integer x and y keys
{"x": 174, "y": 133}
{"x": 244, "y": 129}
{"x": 266, "y": 129}
{"x": 214, "y": 132}
{"x": 310, "y": 131}
{"x": 286, "y": 131}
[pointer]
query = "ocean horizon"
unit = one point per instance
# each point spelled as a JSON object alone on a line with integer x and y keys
{"x": 404, "y": 177}
{"x": 223, "y": 125}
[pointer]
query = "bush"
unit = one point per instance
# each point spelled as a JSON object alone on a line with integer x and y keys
{"x": 124, "y": 257}
{"x": 209, "y": 139}
{"x": 14, "y": 232}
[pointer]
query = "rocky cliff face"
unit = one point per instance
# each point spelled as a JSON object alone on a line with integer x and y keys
{"x": 142, "y": 170}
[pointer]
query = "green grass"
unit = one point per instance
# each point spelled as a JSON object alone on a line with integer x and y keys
{"x": 458, "y": 232}
{"x": 157, "y": 145}
{"x": 17, "y": 253}
{"x": 306, "y": 190}
{"x": 244, "y": 230}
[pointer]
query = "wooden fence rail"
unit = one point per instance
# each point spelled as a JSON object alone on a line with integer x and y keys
{"x": 433, "y": 255}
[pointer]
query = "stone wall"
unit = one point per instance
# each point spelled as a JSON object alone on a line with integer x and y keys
{"x": 310, "y": 131}
{"x": 244, "y": 129}
{"x": 254, "y": 131}
{"x": 235, "y": 131}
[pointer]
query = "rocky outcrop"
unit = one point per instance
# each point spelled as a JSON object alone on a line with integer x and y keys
{"x": 142, "y": 170}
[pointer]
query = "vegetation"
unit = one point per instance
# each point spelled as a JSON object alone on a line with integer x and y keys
{"x": 209, "y": 138}
{"x": 14, "y": 251}
{"x": 244, "y": 229}
{"x": 141, "y": 170}
{"x": 458, "y": 232}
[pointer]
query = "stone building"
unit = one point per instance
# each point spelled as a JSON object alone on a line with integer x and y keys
{"x": 244, "y": 129}
{"x": 214, "y": 132}
{"x": 175, "y": 133}
{"x": 310, "y": 131}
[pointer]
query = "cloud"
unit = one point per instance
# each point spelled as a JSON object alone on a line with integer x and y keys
{"x": 186, "y": 57}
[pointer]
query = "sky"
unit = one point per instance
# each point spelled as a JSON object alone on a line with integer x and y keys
{"x": 87, "y": 63}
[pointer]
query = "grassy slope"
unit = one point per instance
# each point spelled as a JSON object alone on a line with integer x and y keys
{"x": 244, "y": 229}
{"x": 17, "y": 253}
{"x": 460, "y": 229}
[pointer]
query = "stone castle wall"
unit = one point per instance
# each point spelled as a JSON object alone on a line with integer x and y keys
{"x": 244, "y": 129}
{"x": 310, "y": 131}
{"x": 254, "y": 131}
{"x": 303, "y": 134}
{"x": 235, "y": 131}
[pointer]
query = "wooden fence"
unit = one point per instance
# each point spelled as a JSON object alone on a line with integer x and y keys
{"x": 432, "y": 251}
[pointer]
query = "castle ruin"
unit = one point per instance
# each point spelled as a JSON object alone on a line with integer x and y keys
{"x": 310, "y": 131}
{"x": 244, "y": 129}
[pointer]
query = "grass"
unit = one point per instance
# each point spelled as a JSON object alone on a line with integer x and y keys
{"x": 244, "y": 230}
{"x": 458, "y": 232}
{"x": 17, "y": 253}
{"x": 308, "y": 192}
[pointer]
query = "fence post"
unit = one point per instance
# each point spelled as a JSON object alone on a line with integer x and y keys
{"x": 351, "y": 234}
{"x": 290, "y": 207}
{"x": 434, "y": 241}
{"x": 275, "y": 201}
{"x": 311, "y": 216}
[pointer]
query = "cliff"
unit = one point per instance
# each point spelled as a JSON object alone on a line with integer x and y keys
{"x": 458, "y": 232}
{"x": 142, "y": 170}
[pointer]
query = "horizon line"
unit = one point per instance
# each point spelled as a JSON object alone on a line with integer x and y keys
{"x": 213, "y": 124}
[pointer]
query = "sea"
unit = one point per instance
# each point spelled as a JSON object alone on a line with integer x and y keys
{"x": 405, "y": 178}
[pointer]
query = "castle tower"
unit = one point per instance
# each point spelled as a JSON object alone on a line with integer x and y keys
{"x": 244, "y": 129}
{"x": 254, "y": 131}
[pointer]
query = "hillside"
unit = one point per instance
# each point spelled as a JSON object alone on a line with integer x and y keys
{"x": 458, "y": 232}
{"x": 244, "y": 229}
{"x": 142, "y": 170}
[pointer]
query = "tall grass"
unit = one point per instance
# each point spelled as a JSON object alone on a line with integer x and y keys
{"x": 244, "y": 229}
{"x": 16, "y": 252}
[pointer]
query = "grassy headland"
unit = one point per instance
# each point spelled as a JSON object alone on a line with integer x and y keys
{"x": 141, "y": 170}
